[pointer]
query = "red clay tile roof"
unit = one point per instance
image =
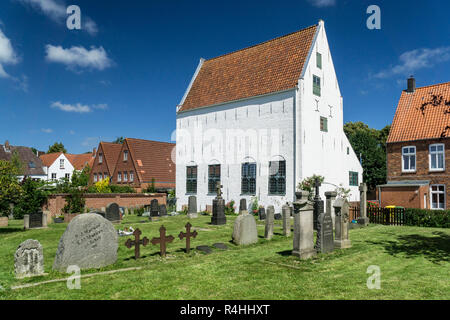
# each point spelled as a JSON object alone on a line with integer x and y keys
{"x": 79, "y": 161}
{"x": 49, "y": 158}
{"x": 152, "y": 159}
{"x": 423, "y": 114}
{"x": 271, "y": 66}
{"x": 111, "y": 153}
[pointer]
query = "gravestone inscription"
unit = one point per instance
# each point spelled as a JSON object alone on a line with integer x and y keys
{"x": 324, "y": 241}
{"x": 29, "y": 259}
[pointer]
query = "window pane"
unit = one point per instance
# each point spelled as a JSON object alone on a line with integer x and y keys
{"x": 433, "y": 161}
{"x": 413, "y": 162}
{"x": 441, "y": 161}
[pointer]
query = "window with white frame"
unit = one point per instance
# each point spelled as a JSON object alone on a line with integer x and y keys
{"x": 95, "y": 177}
{"x": 437, "y": 157}
{"x": 67, "y": 176}
{"x": 409, "y": 159}
{"x": 100, "y": 176}
{"x": 125, "y": 176}
{"x": 119, "y": 176}
{"x": 61, "y": 163}
{"x": 100, "y": 157}
{"x": 53, "y": 176}
{"x": 125, "y": 155}
{"x": 437, "y": 196}
{"x": 131, "y": 176}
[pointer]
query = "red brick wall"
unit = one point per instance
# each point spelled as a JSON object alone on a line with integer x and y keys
{"x": 394, "y": 166}
{"x": 56, "y": 202}
{"x": 99, "y": 167}
{"x": 408, "y": 197}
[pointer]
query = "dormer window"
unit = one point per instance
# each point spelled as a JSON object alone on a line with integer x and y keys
{"x": 31, "y": 165}
{"x": 125, "y": 155}
{"x": 100, "y": 158}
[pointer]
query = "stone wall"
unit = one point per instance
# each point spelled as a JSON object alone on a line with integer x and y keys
{"x": 56, "y": 202}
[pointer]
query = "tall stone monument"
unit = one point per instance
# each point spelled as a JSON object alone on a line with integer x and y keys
{"x": 341, "y": 239}
{"x": 192, "y": 207}
{"x": 268, "y": 232}
{"x": 262, "y": 213}
{"x": 303, "y": 227}
{"x": 330, "y": 198}
{"x": 286, "y": 210}
{"x": 324, "y": 241}
{"x": 218, "y": 217}
{"x": 363, "y": 219}
{"x": 318, "y": 203}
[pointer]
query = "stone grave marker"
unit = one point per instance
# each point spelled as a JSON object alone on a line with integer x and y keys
{"x": 325, "y": 241}
{"x": 245, "y": 231}
{"x": 192, "y": 207}
{"x": 35, "y": 220}
{"x": 363, "y": 219}
{"x": 220, "y": 245}
{"x": 163, "y": 210}
{"x": 341, "y": 240}
{"x": 286, "y": 220}
{"x": 154, "y": 210}
{"x": 278, "y": 216}
{"x": 268, "y": 232}
{"x": 136, "y": 243}
{"x": 243, "y": 206}
{"x": 330, "y": 198}
{"x": 204, "y": 249}
{"x": 4, "y": 221}
{"x": 188, "y": 234}
{"x": 162, "y": 240}
{"x": 318, "y": 203}
{"x": 262, "y": 213}
{"x": 29, "y": 259}
{"x": 218, "y": 217}
{"x": 90, "y": 241}
{"x": 303, "y": 227}
{"x": 112, "y": 212}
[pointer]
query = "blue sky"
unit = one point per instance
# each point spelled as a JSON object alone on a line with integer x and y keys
{"x": 124, "y": 73}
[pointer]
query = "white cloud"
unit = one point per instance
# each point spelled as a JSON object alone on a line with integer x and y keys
{"x": 71, "y": 132}
{"x": 322, "y": 3}
{"x": 7, "y": 54}
{"x": 46, "y": 130}
{"x": 56, "y": 10}
{"x": 79, "y": 57}
{"x": 416, "y": 59}
{"x": 78, "y": 108}
{"x": 90, "y": 142}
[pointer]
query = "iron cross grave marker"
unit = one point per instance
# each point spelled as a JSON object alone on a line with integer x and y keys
{"x": 188, "y": 236}
{"x": 162, "y": 240}
{"x": 137, "y": 242}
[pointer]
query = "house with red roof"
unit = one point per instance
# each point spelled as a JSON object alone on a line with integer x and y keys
{"x": 260, "y": 120}
{"x": 59, "y": 165}
{"x": 418, "y": 149}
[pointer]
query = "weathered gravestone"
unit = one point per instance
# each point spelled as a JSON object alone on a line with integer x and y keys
{"x": 268, "y": 232}
{"x": 286, "y": 210}
{"x": 29, "y": 259}
{"x": 262, "y": 214}
{"x": 154, "y": 210}
{"x": 90, "y": 241}
{"x": 112, "y": 212}
{"x": 218, "y": 217}
{"x": 204, "y": 249}
{"x": 363, "y": 219}
{"x": 341, "y": 240}
{"x": 318, "y": 203}
{"x": 192, "y": 207}
{"x": 163, "y": 210}
{"x": 220, "y": 245}
{"x": 325, "y": 241}
{"x": 245, "y": 231}
{"x": 330, "y": 198}
{"x": 243, "y": 206}
{"x": 35, "y": 220}
{"x": 303, "y": 227}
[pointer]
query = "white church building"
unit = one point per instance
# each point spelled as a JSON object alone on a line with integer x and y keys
{"x": 262, "y": 119}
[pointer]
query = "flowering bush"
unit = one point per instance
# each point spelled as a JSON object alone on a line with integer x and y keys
{"x": 308, "y": 185}
{"x": 102, "y": 186}
{"x": 230, "y": 207}
{"x": 372, "y": 204}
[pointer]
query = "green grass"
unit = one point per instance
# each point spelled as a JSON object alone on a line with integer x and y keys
{"x": 414, "y": 264}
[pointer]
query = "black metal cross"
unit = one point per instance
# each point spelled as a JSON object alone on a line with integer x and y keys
{"x": 317, "y": 184}
{"x": 188, "y": 236}
{"x": 137, "y": 242}
{"x": 162, "y": 240}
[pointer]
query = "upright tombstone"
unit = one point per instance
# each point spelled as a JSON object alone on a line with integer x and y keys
{"x": 29, "y": 259}
{"x": 218, "y": 217}
{"x": 35, "y": 220}
{"x": 90, "y": 241}
{"x": 192, "y": 207}
{"x": 162, "y": 210}
{"x": 4, "y": 221}
{"x": 268, "y": 232}
{"x": 286, "y": 210}
{"x": 112, "y": 212}
{"x": 318, "y": 203}
{"x": 154, "y": 210}
{"x": 363, "y": 219}
{"x": 324, "y": 241}
{"x": 243, "y": 206}
{"x": 262, "y": 213}
{"x": 303, "y": 227}
{"x": 11, "y": 211}
{"x": 341, "y": 239}
{"x": 330, "y": 198}
{"x": 245, "y": 231}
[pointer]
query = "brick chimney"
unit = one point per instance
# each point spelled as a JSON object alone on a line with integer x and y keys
{"x": 7, "y": 146}
{"x": 94, "y": 152}
{"x": 411, "y": 84}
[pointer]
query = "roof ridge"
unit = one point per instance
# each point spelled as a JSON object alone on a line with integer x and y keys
{"x": 149, "y": 140}
{"x": 432, "y": 85}
{"x": 261, "y": 43}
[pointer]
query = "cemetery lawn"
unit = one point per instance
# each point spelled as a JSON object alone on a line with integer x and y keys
{"x": 414, "y": 264}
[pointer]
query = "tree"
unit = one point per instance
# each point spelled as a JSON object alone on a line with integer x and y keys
{"x": 57, "y": 147}
{"x": 370, "y": 144}
{"x": 10, "y": 189}
{"x": 119, "y": 140}
{"x": 16, "y": 162}
{"x": 81, "y": 178}
{"x": 34, "y": 195}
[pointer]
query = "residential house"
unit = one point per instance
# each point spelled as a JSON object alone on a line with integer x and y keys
{"x": 260, "y": 120}
{"x": 31, "y": 164}
{"x": 418, "y": 149}
{"x": 105, "y": 161}
{"x": 142, "y": 163}
{"x": 60, "y": 165}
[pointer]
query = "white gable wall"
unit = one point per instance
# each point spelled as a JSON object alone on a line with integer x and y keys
{"x": 324, "y": 153}
{"x": 55, "y": 168}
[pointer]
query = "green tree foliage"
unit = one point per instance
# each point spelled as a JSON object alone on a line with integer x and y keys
{"x": 308, "y": 185}
{"x": 10, "y": 189}
{"x": 34, "y": 196}
{"x": 370, "y": 146}
{"x": 16, "y": 162}
{"x": 119, "y": 140}
{"x": 75, "y": 201}
{"x": 81, "y": 178}
{"x": 57, "y": 147}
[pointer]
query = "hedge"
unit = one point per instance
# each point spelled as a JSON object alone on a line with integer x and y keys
{"x": 427, "y": 218}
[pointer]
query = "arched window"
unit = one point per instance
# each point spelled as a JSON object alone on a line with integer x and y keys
{"x": 213, "y": 176}
{"x": 191, "y": 177}
{"x": 277, "y": 176}
{"x": 248, "y": 176}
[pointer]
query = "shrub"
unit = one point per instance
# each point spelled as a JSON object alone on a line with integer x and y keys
{"x": 229, "y": 207}
{"x": 427, "y": 218}
{"x": 75, "y": 201}
{"x": 308, "y": 185}
{"x": 121, "y": 189}
{"x": 33, "y": 197}
{"x": 255, "y": 206}
{"x": 102, "y": 186}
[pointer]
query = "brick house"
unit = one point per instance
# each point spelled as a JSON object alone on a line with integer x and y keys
{"x": 137, "y": 163}
{"x": 418, "y": 149}
{"x": 105, "y": 161}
